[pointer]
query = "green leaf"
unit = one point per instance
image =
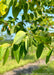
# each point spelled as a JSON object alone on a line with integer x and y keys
{"x": 12, "y": 29}
{"x": 26, "y": 43}
{"x": 21, "y": 51}
{"x": 34, "y": 42}
{"x": 12, "y": 54}
{"x": 1, "y": 53}
{"x": 9, "y": 2}
{"x": 31, "y": 15}
{"x": 16, "y": 8}
{"x": 48, "y": 56}
{"x": 25, "y": 8}
{"x": 6, "y": 55}
{"x": 30, "y": 41}
{"x": 19, "y": 37}
{"x": 2, "y": 50}
{"x": 15, "y": 47}
{"x": 39, "y": 50}
{"x": 35, "y": 14}
{"x": 40, "y": 12}
{"x": 23, "y": 17}
{"x": 24, "y": 49}
{"x": 16, "y": 54}
{"x": 10, "y": 18}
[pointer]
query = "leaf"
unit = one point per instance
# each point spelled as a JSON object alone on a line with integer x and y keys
{"x": 3, "y": 8}
{"x": 16, "y": 8}
{"x": 25, "y": 8}
{"x": 35, "y": 14}
{"x": 16, "y": 54}
{"x": 10, "y": 18}
{"x": 2, "y": 50}
{"x": 24, "y": 49}
{"x": 19, "y": 37}
{"x": 5, "y": 45}
{"x": 21, "y": 51}
{"x": 15, "y": 47}
{"x": 40, "y": 12}
{"x": 48, "y": 56}
{"x": 39, "y": 50}
{"x": 12, "y": 54}
{"x": 23, "y": 17}
{"x": 9, "y": 2}
{"x": 1, "y": 53}
{"x": 6, "y": 55}
{"x": 12, "y": 29}
{"x": 31, "y": 15}
{"x": 30, "y": 41}
{"x": 34, "y": 42}
{"x": 26, "y": 43}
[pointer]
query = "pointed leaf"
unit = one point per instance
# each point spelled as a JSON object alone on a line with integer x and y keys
{"x": 2, "y": 50}
{"x": 24, "y": 49}
{"x": 39, "y": 50}
{"x": 48, "y": 56}
{"x": 16, "y": 54}
{"x": 19, "y": 37}
{"x": 6, "y": 55}
{"x": 26, "y": 43}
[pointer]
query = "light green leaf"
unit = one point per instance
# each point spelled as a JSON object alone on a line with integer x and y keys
{"x": 9, "y": 2}
{"x": 1, "y": 53}
{"x": 6, "y": 55}
{"x": 19, "y": 37}
{"x": 26, "y": 43}
{"x": 2, "y": 50}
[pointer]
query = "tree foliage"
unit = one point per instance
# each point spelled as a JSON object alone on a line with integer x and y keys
{"x": 40, "y": 19}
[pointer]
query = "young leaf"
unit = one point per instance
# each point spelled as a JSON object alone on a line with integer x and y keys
{"x": 48, "y": 56}
{"x": 19, "y": 37}
{"x": 39, "y": 50}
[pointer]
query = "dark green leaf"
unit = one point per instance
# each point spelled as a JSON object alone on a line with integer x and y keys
{"x": 16, "y": 8}
{"x": 39, "y": 50}
{"x": 16, "y": 54}
{"x": 15, "y": 47}
{"x": 48, "y": 56}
